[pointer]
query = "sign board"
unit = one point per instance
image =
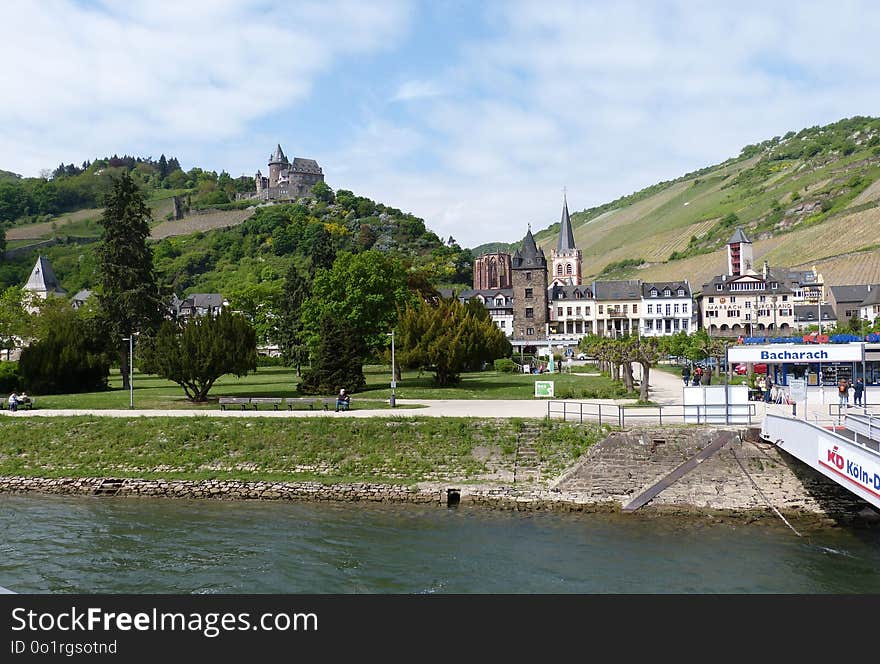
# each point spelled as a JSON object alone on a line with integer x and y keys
{"x": 707, "y": 404}
{"x": 796, "y": 353}
{"x": 798, "y": 389}
{"x": 543, "y": 388}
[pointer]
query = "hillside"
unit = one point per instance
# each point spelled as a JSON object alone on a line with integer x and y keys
{"x": 807, "y": 198}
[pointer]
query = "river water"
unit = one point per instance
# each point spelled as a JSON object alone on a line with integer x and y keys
{"x": 126, "y": 545}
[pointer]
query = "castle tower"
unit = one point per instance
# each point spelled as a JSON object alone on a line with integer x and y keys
{"x": 565, "y": 260}
{"x": 739, "y": 254}
{"x": 277, "y": 163}
{"x": 529, "y": 283}
{"x": 258, "y": 181}
{"x": 492, "y": 271}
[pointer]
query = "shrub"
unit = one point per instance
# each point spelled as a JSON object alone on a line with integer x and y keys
{"x": 70, "y": 359}
{"x": 9, "y": 378}
{"x": 506, "y": 365}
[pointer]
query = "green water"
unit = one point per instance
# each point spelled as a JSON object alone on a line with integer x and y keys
{"x": 120, "y": 545}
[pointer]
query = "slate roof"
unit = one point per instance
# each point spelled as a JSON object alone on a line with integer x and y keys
{"x": 42, "y": 278}
{"x": 806, "y": 313}
{"x": 624, "y": 289}
{"x": 566, "y": 235}
{"x": 567, "y": 292}
{"x": 662, "y": 285}
{"x": 738, "y": 236}
{"x": 301, "y": 165}
{"x": 530, "y": 255}
{"x": 278, "y": 156}
{"x": 856, "y": 293}
{"x": 873, "y": 297}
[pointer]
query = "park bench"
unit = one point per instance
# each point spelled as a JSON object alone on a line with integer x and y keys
{"x": 22, "y": 405}
{"x": 311, "y": 402}
{"x": 274, "y": 401}
{"x": 234, "y": 401}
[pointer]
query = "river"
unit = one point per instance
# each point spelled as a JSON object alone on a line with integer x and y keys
{"x": 52, "y": 544}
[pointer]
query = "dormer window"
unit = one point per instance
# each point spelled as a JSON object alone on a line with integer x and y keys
{"x": 774, "y": 285}
{"x": 667, "y": 293}
{"x": 681, "y": 292}
{"x": 653, "y": 292}
{"x": 719, "y": 287}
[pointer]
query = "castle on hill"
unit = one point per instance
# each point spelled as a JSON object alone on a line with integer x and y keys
{"x": 287, "y": 180}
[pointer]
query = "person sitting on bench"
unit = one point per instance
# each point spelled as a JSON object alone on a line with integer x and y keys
{"x": 343, "y": 399}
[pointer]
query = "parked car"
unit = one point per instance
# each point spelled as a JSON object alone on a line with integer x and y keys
{"x": 742, "y": 369}
{"x": 582, "y": 356}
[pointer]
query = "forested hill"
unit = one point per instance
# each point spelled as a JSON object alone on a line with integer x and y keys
{"x": 236, "y": 248}
{"x": 807, "y": 198}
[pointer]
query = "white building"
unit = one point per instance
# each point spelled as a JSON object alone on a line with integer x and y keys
{"x": 667, "y": 308}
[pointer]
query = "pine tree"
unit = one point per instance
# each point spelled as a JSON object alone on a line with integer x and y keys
{"x": 338, "y": 361}
{"x": 291, "y": 339}
{"x": 163, "y": 168}
{"x": 128, "y": 292}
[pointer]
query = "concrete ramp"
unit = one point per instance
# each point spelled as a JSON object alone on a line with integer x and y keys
{"x": 719, "y": 440}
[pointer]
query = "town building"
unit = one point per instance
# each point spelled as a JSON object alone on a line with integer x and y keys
{"x": 529, "y": 284}
{"x": 80, "y": 298}
{"x": 847, "y": 300}
{"x": 42, "y": 281}
{"x": 566, "y": 259}
{"x": 748, "y": 303}
{"x": 492, "y": 271}
{"x": 197, "y": 304}
{"x": 667, "y": 308}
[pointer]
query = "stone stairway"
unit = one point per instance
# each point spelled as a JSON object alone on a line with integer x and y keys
{"x": 109, "y": 487}
{"x": 526, "y": 467}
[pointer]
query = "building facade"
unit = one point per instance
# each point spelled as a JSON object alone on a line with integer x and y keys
{"x": 492, "y": 271}
{"x": 287, "y": 180}
{"x": 529, "y": 285}
{"x": 566, "y": 260}
{"x": 667, "y": 308}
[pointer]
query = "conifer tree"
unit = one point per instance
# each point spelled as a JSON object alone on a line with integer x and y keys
{"x": 128, "y": 292}
{"x": 338, "y": 360}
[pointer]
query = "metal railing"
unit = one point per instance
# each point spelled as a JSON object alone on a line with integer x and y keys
{"x": 615, "y": 415}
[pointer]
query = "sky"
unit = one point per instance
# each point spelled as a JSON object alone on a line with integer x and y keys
{"x": 473, "y": 116}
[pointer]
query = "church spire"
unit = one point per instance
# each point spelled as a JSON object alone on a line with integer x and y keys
{"x": 566, "y": 236}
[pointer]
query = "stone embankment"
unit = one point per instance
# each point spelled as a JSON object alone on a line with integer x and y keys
{"x": 746, "y": 477}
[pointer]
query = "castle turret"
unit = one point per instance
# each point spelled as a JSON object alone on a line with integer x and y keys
{"x": 529, "y": 283}
{"x": 565, "y": 260}
{"x": 277, "y": 163}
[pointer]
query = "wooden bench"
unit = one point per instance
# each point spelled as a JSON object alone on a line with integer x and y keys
{"x": 312, "y": 402}
{"x": 234, "y": 401}
{"x": 274, "y": 401}
{"x": 22, "y": 405}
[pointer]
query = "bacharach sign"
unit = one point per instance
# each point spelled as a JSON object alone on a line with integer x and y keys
{"x": 794, "y": 353}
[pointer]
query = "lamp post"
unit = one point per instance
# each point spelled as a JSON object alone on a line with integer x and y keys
{"x": 393, "y": 400}
{"x": 130, "y": 340}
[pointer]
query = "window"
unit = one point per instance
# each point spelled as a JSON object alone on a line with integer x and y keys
{"x": 684, "y": 308}
{"x": 635, "y": 308}
{"x": 600, "y": 308}
{"x": 711, "y": 300}
{"x": 653, "y": 292}
{"x": 785, "y": 298}
{"x": 528, "y": 292}
{"x": 559, "y": 269}
{"x": 681, "y": 292}
{"x": 650, "y": 308}
{"x": 578, "y": 311}
{"x": 719, "y": 287}
{"x": 530, "y": 331}
{"x": 528, "y": 276}
{"x": 587, "y": 312}
{"x": 748, "y": 304}
{"x": 733, "y": 313}
{"x": 502, "y": 324}
{"x": 626, "y": 308}
{"x": 530, "y": 313}
{"x": 649, "y": 325}
{"x": 568, "y": 268}
{"x": 684, "y": 324}
{"x": 774, "y": 285}
{"x": 559, "y": 312}
{"x": 676, "y": 308}
{"x": 667, "y": 293}
{"x": 668, "y": 310}
{"x": 762, "y": 298}
{"x": 732, "y": 300}
{"x": 568, "y": 311}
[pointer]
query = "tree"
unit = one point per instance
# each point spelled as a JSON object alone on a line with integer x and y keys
{"x": 364, "y": 291}
{"x": 448, "y": 338}
{"x": 291, "y": 337}
{"x": 14, "y": 319}
{"x": 163, "y": 168}
{"x": 195, "y": 354}
{"x": 128, "y": 292}
{"x": 322, "y": 192}
{"x": 338, "y": 360}
{"x": 71, "y": 358}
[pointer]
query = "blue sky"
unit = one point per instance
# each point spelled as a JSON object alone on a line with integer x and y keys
{"x": 471, "y": 115}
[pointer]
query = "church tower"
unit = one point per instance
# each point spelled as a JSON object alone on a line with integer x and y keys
{"x": 565, "y": 260}
{"x": 529, "y": 283}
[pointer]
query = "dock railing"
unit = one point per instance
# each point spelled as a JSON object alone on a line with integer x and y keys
{"x": 616, "y": 415}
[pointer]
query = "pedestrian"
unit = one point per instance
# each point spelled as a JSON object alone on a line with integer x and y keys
{"x": 698, "y": 375}
{"x": 768, "y": 389}
{"x": 342, "y": 400}
{"x": 13, "y": 401}
{"x": 686, "y": 374}
{"x": 843, "y": 392}
{"x": 858, "y": 391}
{"x": 707, "y": 377}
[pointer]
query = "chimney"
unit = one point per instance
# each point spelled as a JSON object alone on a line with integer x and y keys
{"x": 766, "y": 269}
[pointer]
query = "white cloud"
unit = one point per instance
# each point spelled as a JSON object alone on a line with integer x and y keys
{"x": 85, "y": 80}
{"x": 412, "y": 90}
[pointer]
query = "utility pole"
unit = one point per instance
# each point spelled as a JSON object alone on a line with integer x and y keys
{"x": 130, "y": 340}
{"x": 393, "y": 400}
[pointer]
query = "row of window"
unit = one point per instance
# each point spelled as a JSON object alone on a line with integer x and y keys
{"x": 670, "y": 309}
{"x": 747, "y": 286}
{"x": 761, "y": 298}
{"x": 736, "y": 313}
{"x": 673, "y": 325}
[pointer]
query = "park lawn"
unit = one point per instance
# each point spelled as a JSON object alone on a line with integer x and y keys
{"x": 155, "y": 393}
{"x": 325, "y": 449}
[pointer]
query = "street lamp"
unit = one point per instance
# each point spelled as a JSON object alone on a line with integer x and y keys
{"x": 393, "y": 400}
{"x": 130, "y": 340}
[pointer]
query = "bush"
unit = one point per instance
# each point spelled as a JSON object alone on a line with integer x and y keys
{"x": 9, "y": 378}
{"x": 70, "y": 359}
{"x": 506, "y": 365}
{"x": 266, "y": 361}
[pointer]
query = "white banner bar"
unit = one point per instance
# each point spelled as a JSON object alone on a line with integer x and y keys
{"x": 797, "y": 353}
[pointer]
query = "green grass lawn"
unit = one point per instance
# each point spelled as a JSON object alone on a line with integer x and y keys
{"x": 325, "y": 449}
{"x": 153, "y": 392}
